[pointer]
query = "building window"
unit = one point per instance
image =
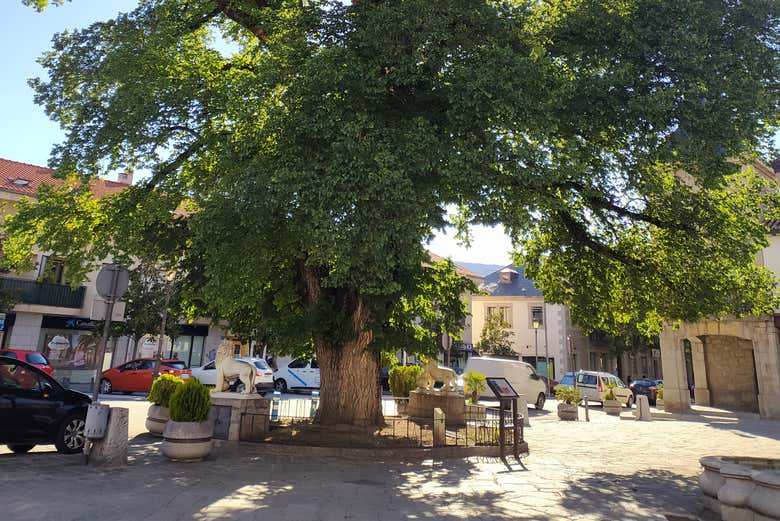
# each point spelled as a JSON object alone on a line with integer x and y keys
{"x": 594, "y": 361}
{"x": 51, "y": 269}
{"x": 505, "y": 312}
{"x": 537, "y": 314}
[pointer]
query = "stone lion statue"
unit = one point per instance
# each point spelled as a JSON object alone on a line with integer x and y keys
{"x": 432, "y": 373}
{"x": 229, "y": 368}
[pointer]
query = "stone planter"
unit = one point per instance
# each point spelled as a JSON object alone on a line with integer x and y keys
{"x": 401, "y": 405}
{"x": 741, "y": 489}
{"x": 187, "y": 441}
{"x": 659, "y": 403}
{"x": 612, "y": 407}
{"x": 710, "y": 481}
{"x": 568, "y": 411}
{"x": 734, "y": 494}
{"x": 156, "y": 418}
{"x": 765, "y": 499}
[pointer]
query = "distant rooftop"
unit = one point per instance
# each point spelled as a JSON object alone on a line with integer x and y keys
{"x": 514, "y": 283}
{"x": 25, "y": 179}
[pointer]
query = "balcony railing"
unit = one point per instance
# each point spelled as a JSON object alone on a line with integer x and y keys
{"x": 43, "y": 293}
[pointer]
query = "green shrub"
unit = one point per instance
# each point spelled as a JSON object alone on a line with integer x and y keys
{"x": 191, "y": 402}
{"x": 568, "y": 395}
{"x": 388, "y": 360}
{"x": 403, "y": 379}
{"x": 163, "y": 388}
{"x": 474, "y": 384}
{"x": 610, "y": 394}
{"x": 659, "y": 392}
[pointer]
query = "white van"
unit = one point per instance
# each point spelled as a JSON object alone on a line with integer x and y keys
{"x": 520, "y": 375}
{"x": 593, "y": 385}
{"x": 298, "y": 374}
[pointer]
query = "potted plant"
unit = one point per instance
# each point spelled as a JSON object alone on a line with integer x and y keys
{"x": 187, "y": 435}
{"x": 160, "y": 395}
{"x": 659, "y": 396}
{"x": 610, "y": 402}
{"x": 568, "y": 397}
{"x": 474, "y": 384}
{"x": 402, "y": 379}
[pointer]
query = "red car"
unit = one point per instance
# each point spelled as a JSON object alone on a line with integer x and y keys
{"x": 31, "y": 357}
{"x": 136, "y": 375}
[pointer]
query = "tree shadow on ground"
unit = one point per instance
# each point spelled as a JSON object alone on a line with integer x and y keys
{"x": 634, "y": 497}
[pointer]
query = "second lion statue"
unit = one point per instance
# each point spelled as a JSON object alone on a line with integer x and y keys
{"x": 432, "y": 373}
{"x": 229, "y": 368}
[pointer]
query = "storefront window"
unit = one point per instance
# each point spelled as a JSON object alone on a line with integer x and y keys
{"x": 197, "y": 351}
{"x": 181, "y": 348}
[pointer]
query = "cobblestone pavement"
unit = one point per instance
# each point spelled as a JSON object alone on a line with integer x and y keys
{"x": 610, "y": 469}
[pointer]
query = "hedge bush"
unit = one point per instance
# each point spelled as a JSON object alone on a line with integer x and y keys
{"x": 191, "y": 402}
{"x": 163, "y": 388}
{"x": 403, "y": 379}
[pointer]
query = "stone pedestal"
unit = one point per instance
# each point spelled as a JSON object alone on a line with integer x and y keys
{"x": 239, "y": 417}
{"x": 111, "y": 450}
{"x": 422, "y": 404}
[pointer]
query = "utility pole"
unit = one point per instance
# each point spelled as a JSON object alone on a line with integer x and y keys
{"x": 546, "y": 350}
{"x": 111, "y": 284}
{"x": 163, "y": 322}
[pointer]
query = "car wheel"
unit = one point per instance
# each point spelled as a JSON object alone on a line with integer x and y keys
{"x": 540, "y": 401}
{"x": 20, "y": 449}
{"x": 630, "y": 402}
{"x": 105, "y": 386}
{"x": 280, "y": 385}
{"x": 71, "y": 438}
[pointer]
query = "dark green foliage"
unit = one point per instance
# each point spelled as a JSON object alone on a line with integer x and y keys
{"x": 163, "y": 388}
{"x": 319, "y": 151}
{"x": 403, "y": 379}
{"x": 191, "y": 402}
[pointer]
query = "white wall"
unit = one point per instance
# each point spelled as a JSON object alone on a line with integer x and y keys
{"x": 26, "y": 331}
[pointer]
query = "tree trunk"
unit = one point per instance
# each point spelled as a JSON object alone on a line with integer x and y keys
{"x": 349, "y": 379}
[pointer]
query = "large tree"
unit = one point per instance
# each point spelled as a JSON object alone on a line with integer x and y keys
{"x": 320, "y": 144}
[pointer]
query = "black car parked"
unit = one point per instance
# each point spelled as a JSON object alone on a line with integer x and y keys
{"x": 35, "y": 409}
{"x": 647, "y": 387}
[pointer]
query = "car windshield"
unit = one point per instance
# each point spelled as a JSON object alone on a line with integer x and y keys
{"x": 260, "y": 364}
{"x": 175, "y": 365}
{"x": 37, "y": 358}
{"x": 9, "y": 354}
{"x": 644, "y": 383}
{"x": 567, "y": 380}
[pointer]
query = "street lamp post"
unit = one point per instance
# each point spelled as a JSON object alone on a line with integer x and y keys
{"x": 536, "y": 325}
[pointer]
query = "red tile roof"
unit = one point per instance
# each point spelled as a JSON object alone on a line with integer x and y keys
{"x": 13, "y": 175}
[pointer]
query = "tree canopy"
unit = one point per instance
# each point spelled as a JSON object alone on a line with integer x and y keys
{"x": 319, "y": 145}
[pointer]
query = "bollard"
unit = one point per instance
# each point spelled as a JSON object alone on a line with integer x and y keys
{"x": 275, "y": 401}
{"x": 587, "y": 412}
{"x": 315, "y": 403}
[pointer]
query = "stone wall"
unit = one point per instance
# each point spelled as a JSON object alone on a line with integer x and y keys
{"x": 731, "y": 372}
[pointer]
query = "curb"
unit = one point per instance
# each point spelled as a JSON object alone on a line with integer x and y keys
{"x": 390, "y": 454}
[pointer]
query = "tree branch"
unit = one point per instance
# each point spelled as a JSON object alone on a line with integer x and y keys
{"x": 243, "y": 18}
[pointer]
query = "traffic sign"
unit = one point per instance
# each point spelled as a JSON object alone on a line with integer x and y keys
{"x": 112, "y": 282}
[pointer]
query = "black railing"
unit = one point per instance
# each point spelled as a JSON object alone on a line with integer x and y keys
{"x": 43, "y": 293}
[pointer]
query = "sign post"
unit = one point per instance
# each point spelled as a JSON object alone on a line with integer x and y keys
{"x": 507, "y": 395}
{"x": 111, "y": 284}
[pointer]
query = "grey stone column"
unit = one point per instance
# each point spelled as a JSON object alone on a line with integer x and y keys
{"x": 701, "y": 390}
{"x": 766, "y": 352}
{"x": 677, "y": 397}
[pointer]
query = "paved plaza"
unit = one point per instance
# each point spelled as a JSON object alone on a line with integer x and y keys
{"x": 608, "y": 469}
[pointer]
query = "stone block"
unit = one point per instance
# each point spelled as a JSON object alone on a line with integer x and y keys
{"x": 642, "y": 410}
{"x": 422, "y": 404}
{"x": 439, "y": 428}
{"x": 239, "y": 417}
{"x": 111, "y": 450}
